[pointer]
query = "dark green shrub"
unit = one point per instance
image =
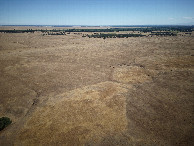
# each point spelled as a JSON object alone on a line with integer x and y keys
{"x": 4, "y": 122}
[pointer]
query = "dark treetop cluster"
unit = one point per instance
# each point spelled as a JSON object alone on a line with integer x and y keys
{"x": 117, "y": 29}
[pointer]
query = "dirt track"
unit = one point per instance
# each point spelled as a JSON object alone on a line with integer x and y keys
{"x": 73, "y": 91}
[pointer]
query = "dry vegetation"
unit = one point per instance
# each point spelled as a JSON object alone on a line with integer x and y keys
{"x": 74, "y": 90}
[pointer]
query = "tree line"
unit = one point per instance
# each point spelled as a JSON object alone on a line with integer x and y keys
{"x": 104, "y": 36}
{"x": 141, "y": 29}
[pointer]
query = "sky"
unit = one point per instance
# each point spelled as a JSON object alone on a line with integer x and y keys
{"x": 96, "y": 12}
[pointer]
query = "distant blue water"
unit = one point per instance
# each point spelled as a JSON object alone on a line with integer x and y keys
{"x": 98, "y": 26}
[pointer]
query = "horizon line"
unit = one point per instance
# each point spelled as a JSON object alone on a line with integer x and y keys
{"x": 97, "y": 25}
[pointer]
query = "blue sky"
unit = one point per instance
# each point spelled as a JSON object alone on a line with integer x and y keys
{"x": 96, "y": 12}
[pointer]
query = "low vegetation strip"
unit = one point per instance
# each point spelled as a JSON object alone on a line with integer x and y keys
{"x": 141, "y": 29}
{"x": 163, "y": 34}
{"x": 113, "y": 35}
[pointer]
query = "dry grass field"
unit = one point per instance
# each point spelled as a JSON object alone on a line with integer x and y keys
{"x": 74, "y": 90}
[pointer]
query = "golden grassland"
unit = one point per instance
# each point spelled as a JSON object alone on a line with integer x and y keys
{"x": 74, "y": 90}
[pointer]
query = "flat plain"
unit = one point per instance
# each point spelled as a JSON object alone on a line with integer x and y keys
{"x": 74, "y": 90}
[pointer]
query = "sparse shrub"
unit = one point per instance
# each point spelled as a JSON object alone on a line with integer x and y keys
{"x": 4, "y": 122}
